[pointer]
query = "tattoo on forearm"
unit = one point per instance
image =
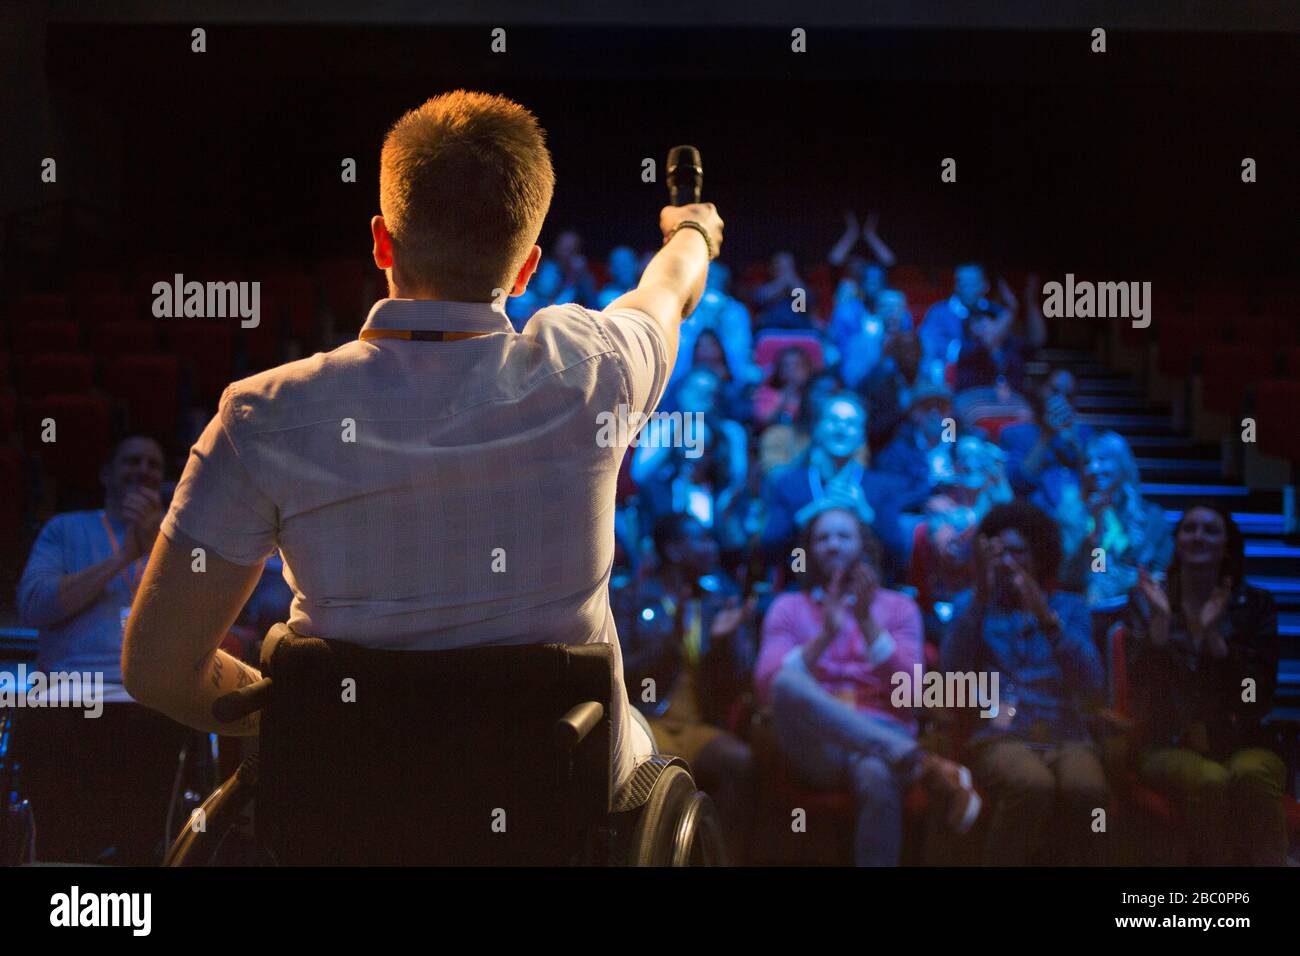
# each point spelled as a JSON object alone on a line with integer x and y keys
{"x": 216, "y": 671}
{"x": 246, "y": 675}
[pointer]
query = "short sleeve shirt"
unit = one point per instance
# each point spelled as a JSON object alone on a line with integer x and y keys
{"x": 431, "y": 495}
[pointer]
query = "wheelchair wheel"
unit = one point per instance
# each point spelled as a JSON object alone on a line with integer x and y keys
{"x": 677, "y": 826}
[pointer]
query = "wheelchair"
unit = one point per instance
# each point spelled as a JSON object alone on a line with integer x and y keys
{"x": 496, "y": 756}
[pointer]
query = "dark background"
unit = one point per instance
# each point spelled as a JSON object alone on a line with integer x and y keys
{"x": 1126, "y": 162}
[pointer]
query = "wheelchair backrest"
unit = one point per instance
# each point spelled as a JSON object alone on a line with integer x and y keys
{"x": 373, "y": 757}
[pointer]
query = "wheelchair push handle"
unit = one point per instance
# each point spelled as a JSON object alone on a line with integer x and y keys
{"x": 573, "y": 727}
{"x": 240, "y": 703}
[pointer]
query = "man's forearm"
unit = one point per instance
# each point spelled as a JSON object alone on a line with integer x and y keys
{"x": 680, "y": 268}
{"x": 216, "y": 675}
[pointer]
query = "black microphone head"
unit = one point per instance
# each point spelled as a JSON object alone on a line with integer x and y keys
{"x": 685, "y": 175}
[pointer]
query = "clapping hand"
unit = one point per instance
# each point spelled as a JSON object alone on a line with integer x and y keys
{"x": 727, "y": 621}
{"x": 1158, "y": 600}
{"x": 142, "y": 509}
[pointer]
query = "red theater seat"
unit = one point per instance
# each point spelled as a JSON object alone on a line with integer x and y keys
{"x": 345, "y": 282}
{"x": 206, "y": 347}
{"x": 13, "y": 495}
{"x": 149, "y": 385}
{"x": 1183, "y": 339}
{"x": 772, "y": 343}
{"x": 68, "y": 373}
{"x": 1151, "y": 806}
{"x": 96, "y": 309}
{"x": 31, "y": 308}
{"x": 1263, "y": 331}
{"x": 1276, "y": 403}
{"x": 123, "y": 337}
{"x": 1229, "y": 370}
{"x": 47, "y": 335}
{"x": 292, "y": 297}
{"x": 8, "y": 416}
{"x": 81, "y": 432}
{"x": 95, "y": 282}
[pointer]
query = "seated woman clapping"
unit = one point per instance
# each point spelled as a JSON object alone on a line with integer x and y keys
{"x": 1203, "y": 656}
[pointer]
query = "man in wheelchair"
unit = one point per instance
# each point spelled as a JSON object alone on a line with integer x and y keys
{"x": 437, "y": 486}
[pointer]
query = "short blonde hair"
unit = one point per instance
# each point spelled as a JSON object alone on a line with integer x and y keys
{"x": 464, "y": 183}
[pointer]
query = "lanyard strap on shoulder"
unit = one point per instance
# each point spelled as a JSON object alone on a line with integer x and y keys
{"x": 132, "y": 572}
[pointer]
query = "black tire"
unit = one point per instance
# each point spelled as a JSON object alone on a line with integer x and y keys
{"x": 655, "y": 834}
{"x": 698, "y": 841}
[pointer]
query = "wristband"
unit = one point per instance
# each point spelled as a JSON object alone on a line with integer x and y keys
{"x": 698, "y": 227}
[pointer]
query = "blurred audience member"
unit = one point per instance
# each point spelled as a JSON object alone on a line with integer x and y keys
{"x": 778, "y": 400}
{"x": 858, "y": 278}
{"x": 991, "y": 351}
{"x": 1035, "y": 757}
{"x": 1111, "y": 530}
{"x": 1045, "y": 456}
{"x": 688, "y": 650}
{"x": 728, "y": 320}
{"x": 624, "y": 272}
{"x": 99, "y": 787}
{"x": 922, "y": 448}
{"x": 888, "y": 389}
{"x": 828, "y": 657}
{"x": 837, "y": 453}
{"x": 777, "y": 302}
{"x": 576, "y": 284}
{"x": 946, "y": 323}
{"x": 733, "y": 397}
{"x": 861, "y": 351}
{"x": 694, "y": 476}
{"x": 1203, "y": 656}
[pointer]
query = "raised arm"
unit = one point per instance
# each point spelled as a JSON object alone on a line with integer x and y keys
{"x": 674, "y": 280}
{"x": 844, "y": 245}
{"x": 884, "y": 255}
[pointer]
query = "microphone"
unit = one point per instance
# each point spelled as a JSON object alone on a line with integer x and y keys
{"x": 685, "y": 175}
